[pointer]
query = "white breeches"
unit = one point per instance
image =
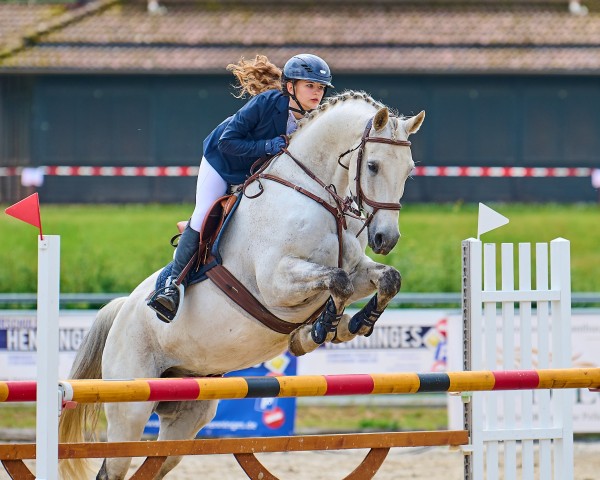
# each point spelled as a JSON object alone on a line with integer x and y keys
{"x": 210, "y": 186}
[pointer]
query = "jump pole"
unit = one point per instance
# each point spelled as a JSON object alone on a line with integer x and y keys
{"x": 211, "y": 388}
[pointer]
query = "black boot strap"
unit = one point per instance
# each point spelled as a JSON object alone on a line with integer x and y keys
{"x": 330, "y": 318}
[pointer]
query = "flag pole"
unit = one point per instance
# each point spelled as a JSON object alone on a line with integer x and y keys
{"x": 48, "y": 404}
{"x": 48, "y": 400}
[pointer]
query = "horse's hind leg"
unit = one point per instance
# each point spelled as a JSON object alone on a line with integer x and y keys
{"x": 126, "y": 422}
{"x": 122, "y": 358}
{"x": 182, "y": 421}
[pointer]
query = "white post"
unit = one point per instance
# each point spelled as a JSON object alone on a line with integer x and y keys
{"x": 472, "y": 352}
{"x": 562, "y": 400}
{"x": 508, "y": 358}
{"x": 489, "y": 360}
{"x": 543, "y": 342}
{"x": 47, "y": 404}
{"x": 525, "y": 328}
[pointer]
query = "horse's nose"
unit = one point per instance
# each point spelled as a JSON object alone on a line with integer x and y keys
{"x": 378, "y": 241}
{"x": 383, "y": 243}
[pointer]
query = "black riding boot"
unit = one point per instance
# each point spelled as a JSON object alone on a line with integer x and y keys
{"x": 169, "y": 298}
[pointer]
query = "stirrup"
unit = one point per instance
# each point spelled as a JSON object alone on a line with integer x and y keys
{"x": 163, "y": 314}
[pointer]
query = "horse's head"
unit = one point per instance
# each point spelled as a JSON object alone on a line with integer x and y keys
{"x": 378, "y": 164}
{"x": 383, "y": 164}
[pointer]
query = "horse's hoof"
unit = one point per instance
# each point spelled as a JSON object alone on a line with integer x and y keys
{"x": 300, "y": 342}
{"x": 342, "y": 333}
{"x": 364, "y": 331}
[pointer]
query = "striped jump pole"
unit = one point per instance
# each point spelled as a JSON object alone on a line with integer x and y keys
{"x": 185, "y": 389}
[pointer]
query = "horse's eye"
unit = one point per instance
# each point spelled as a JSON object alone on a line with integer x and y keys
{"x": 373, "y": 167}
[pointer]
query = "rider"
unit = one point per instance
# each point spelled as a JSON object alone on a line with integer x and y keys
{"x": 257, "y": 130}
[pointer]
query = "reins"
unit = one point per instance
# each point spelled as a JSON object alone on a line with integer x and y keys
{"x": 338, "y": 211}
{"x": 343, "y": 206}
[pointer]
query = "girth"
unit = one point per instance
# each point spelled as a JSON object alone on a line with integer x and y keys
{"x": 237, "y": 292}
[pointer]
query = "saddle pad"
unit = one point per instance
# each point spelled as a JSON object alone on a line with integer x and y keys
{"x": 192, "y": 277}
{"x": 164, "y": 274}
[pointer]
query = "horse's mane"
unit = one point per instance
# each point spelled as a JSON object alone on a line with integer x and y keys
{"x": 341, "y": 97}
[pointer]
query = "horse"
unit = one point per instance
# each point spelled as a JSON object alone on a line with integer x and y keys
{"x": 296, "y": 243}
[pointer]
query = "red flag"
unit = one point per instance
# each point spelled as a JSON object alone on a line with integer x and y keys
{"x": 27, "y": 210}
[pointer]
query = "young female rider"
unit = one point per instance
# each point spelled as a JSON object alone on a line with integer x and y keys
{"x": 255, "y": 131}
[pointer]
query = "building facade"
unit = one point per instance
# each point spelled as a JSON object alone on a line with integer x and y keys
{"x": 109, "y": 84}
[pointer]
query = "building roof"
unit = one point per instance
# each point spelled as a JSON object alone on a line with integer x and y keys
{"x": 112, "y": 36}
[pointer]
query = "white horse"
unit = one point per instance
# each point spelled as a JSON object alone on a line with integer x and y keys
{"x": 283, "y": 246}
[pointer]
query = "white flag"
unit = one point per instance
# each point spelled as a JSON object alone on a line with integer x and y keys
{"x": 489, "y": 220}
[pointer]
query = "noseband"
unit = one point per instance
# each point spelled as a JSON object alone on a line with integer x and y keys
{"x": 360, "y": 197}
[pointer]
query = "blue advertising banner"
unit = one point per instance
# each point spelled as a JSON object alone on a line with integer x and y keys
{"x": 251, "y": 417}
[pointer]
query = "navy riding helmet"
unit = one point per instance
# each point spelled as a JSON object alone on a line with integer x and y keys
{"x": 306, "y": 66}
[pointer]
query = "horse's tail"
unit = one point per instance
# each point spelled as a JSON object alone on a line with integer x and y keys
{"x": 75, "y": 422}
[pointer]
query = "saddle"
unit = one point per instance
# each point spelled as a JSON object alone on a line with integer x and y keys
{"x": 207, "y": 256}
{"x": 211, "y": 227}
{"x": 202, "y": 260}
{"x": 208, "y": 264}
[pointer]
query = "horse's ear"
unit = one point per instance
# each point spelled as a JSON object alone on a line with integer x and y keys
{"x": 381, "y": 119}
{"x": 413, "y": 124}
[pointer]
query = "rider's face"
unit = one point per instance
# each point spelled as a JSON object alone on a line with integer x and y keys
{"x": 308, "y": 93}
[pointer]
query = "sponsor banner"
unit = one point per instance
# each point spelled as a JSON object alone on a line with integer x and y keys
{"x": 18, "y": 342}
{"x": 403, "y": 341}
{"x": 243, "y": 417}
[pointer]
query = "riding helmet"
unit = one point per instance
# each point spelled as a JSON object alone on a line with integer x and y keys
{"x": 306, "y": 66}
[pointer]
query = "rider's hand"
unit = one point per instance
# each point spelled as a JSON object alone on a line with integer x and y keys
{"x": 274, "y": 146}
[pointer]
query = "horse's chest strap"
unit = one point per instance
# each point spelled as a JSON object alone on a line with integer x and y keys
{"x": 338, "y": 214}
{"x": 237, "y": 292}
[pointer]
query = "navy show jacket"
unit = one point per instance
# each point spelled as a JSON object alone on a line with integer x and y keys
{"x": 240, "y": 140}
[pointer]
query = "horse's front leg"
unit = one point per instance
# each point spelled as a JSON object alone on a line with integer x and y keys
{"x": 294, "y": 281}
{"x": 367, "y": 277}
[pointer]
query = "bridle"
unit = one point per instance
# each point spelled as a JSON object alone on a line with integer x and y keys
{"x": 360, "y": 197}
{"x": 343, "y": 206}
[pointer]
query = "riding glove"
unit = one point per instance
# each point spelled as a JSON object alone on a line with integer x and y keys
{"x": 274, "y": 146}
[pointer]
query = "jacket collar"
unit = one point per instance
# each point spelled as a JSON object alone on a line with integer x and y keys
{"x": 281, "y": 115}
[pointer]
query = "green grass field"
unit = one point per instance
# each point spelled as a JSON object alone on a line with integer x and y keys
{"x": 111, "y": 248}
{"x": 308, "y": 418}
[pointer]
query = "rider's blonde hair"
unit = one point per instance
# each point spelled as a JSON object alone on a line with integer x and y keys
{"x": 255, "y": 76}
